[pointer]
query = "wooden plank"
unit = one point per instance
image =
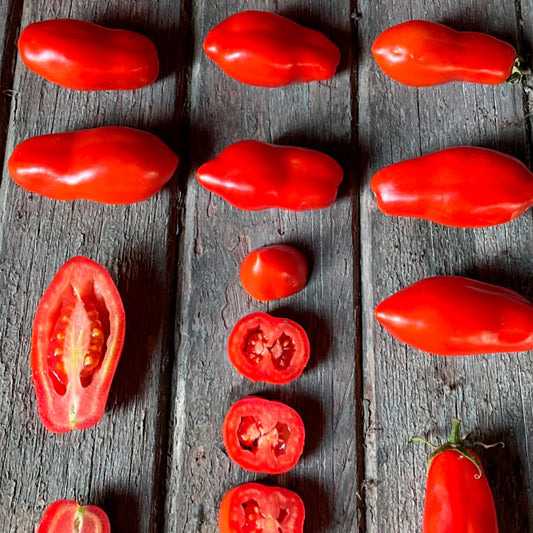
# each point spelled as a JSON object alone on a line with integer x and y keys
{"x": 120, "y": 463}
{"x": 211, "y": 299}
{"x": 406, "y": 392}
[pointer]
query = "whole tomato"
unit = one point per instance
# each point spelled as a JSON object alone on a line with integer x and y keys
{"x": 67, "y": 516}
{"x": 421, "y": 53}
{"x": 84, "y": 56}
{"x": 268, "y": 50}
{"x": 111, "y": 165}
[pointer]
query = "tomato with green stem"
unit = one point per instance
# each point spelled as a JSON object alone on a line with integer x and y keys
{"x": 68, "y": 516}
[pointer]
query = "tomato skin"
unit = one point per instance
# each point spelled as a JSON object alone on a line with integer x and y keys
{"x": 273, "y": 503}
{"x": 84, "y": 56}
{"x": 267, "y": 50}
{"x": 253, "y": 175}
{"x": 453, "y": 315}
{"x": 466, "y": 187}
{"x": 111, "y": 165}
{"x": 421, "y": 53}
{"x": 79, "y": 406}
{"x": 60, "y": 517}
{"x": 272, "y": 367}
{"x": 273, "y": 420}
{"x": 273, "y": 272}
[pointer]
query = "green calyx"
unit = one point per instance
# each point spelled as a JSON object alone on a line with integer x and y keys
{"x": 519, "y": 71}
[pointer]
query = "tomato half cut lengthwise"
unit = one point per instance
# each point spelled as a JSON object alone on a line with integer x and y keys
{"x": 67, "y": 516}
{"x": 78, "y": 334}
{"x": 263, "y": 436}
{"x": 111, "y": 165}
{"x": 269, "y": 349}
{"x": 84, "y": 56}
{"x": 255, "y": 507}
{"x": 253, "y": 175}
{"x": 268, "y": 50}
{"x": 465, "y": 187}
{"x": 421, "y": 53}
{"x": 453, "y": 315}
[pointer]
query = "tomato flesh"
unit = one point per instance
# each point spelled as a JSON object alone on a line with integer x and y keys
{"x": 67, "y": 516}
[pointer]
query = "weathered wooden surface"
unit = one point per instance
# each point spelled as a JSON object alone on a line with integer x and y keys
{"x": 156, "y": 461}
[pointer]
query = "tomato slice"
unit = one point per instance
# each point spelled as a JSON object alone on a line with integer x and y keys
{"x": 78, "y": 334}
{"x": 67, "y": 516}
{"x": 256, "y": 508}
{"x": 265, "y": 348}
{"x": 263, "y": 436}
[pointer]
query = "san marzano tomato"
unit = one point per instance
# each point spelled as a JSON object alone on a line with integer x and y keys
{"x": 265, "y": 348}
{"x": 253, "y": 507}
{"x": 67, "y": 516}
{"x": 78, "y": 334}
{"x": 263, "y": 436}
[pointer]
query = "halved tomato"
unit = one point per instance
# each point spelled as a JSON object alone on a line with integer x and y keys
{"x": 67, "y": 516}
{"x": 78, "y": 334}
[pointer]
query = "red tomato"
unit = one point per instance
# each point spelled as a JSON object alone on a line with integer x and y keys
{"x": 274, "y": 272}
{"x": 465, "y": 187}
{"x": 264, "y": 348}
{"x": 111, "y": 165}
{"x": 67, "y": 516}
{"x": 253, "y": 175}
{"x": 451, "y": 315}
{"x": 255, "y": 507}
{"x": 85, "y": 56}
{"x": 458, "y": 496}
{"x": 78, "y": 334}
{"x": 263, "y": 436}
{"x": 421, "y": 53}
{"x": 268, "y": 50}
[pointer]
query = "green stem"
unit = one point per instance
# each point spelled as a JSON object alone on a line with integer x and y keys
{"x": 455, "y": 437}
{"x": 519, "y": 72}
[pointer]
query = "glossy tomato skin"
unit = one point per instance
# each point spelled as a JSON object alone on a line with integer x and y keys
{"x": 453, "y": 315}
{"x": 273, "y": 272}
{"x": 110, "y": 165}
{"x": 263, "y": 436}
{"x": 84, "y": 56}
{"x": 268, "y": 349}
{"x": 465, "y": 187}
{"x": 67, "y": 516}
{"x": 421, "y": 53}
{"x": 253, "y": 506}
{"x": 253, "y": 175}
{"x": 78, "y": 335}
{"x": 268, "y": 50}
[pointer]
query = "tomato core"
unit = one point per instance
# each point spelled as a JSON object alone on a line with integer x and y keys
{"x": 250, "y": 431}
{"x": 281, "y": 350}
{"x": 255, "y": 520}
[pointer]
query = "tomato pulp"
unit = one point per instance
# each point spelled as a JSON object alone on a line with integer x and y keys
{"x": 78, "y": 334}
{"x": 67, "y": 516}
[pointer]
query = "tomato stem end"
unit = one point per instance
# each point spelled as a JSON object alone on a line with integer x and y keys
{"x": 519, "y": 71}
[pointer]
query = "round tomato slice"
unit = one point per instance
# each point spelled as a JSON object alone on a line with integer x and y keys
{"x": 265, "y": 348}
{"x": 253, "y": 507}
{"x": 78, "y": 334}
{"x": 67, "y": 516}
{"x": 263, "y": 436}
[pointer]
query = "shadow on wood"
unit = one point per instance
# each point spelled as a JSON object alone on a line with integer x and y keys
{"x": 122, "y": 510}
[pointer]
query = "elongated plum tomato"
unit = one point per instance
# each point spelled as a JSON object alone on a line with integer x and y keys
{"x": 255, "y": 507}
{"x": 111, "y": 165}
{"x": 67, "y": 516}
{"x": 269, "y": 349}
{"x": 84, "y": 56}
{"x": 458, "y": 495}
{"x": 253, "y": 175}
{"x": 452, "y": 315}
{"x": 263, "y": 436}
{"x": 274, "y": 272}
{"x": 78, "y": 334}
{"x": 268, "y": 50}
{"x": 421, "y": 53}
{"x": 465, "y": 187}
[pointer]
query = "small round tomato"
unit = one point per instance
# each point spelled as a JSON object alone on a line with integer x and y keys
{"x": 67, "y": 516}
{"x": 274, "y": 272}
{"x": 263, "y": 436}
{"x": 265, "y": 348}
{"x": 255, "y": 507}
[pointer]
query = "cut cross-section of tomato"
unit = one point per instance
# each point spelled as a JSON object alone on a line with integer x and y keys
{"x": 256, "y": 508}
{"x": 67, "y": 516}
{"x": 263, "y": 436}
{"x": 78, "y": 334}
{"x": 265, "y": 348}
